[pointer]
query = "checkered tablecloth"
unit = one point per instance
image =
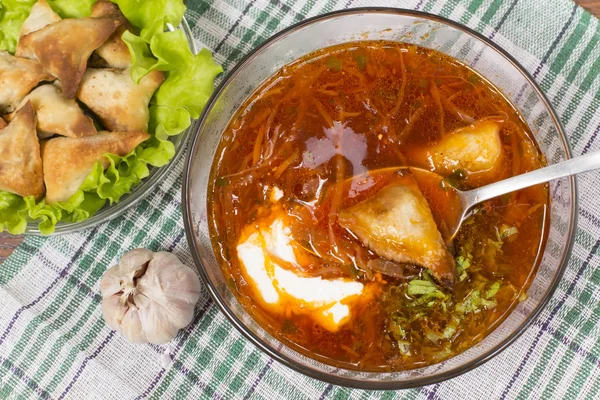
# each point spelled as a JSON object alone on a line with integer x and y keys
{"x": 54, "y": 343}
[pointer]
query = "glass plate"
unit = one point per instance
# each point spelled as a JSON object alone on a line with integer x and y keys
{"x": 146, "y": 186}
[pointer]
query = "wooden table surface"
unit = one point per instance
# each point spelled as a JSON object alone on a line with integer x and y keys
{"x": 593, "y": 6}
{"x": 9, "y": 243}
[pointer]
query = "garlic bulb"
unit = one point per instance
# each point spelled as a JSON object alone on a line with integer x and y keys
{"x": 148, "y": 296}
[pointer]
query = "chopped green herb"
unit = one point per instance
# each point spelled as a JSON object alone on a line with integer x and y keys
{"x": 420, "y": 287}
{"x": 463, "y": 262}
{"x": 404, "y": 347}
{"x": 470, "y": 304}
{"x": 432, "y": 336}
{"x": 492, "y": 290}
{"x": 289, "y": 326}
{"x": 334, "y": 64}
{"x": 455, "y": 179}
{"x": 489, "y": 303}
{"x": 452, "y": 327}
{"x": 430, "y": 294}
{"x": 443, "y": 354}
{"x": 505, "y": 199}
{"x": 220, "y": 182}
{"x": 473, "y": 78}
{"x": 354, "y": 272}
{"x": 475, "y": 302}
{"x": 386, "y": 94}
{"x": 395, "y": 329}
{"x": 356, "y": 347}
{"x": 361, "y": 61}
{"x": 508, "y": 232}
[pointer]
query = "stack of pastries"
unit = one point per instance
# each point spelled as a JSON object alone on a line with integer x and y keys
{"x": 48, "y": 143}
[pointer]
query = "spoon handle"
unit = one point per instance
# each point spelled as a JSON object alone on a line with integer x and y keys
{"x": 576, "y": 165}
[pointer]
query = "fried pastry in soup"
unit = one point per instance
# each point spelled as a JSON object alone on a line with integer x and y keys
{"x": 17, "y": 77}
{"x": 120, "y": 103}
{"x": 114, "y": 51}
{"x": 57, "y": 115}
{"x": 397, "y": 224}
{"x": 68, "y": 161}
{"x": 20, "y": 161}
{"x": 63, "y": 48}
{"x": 475, "y": 149}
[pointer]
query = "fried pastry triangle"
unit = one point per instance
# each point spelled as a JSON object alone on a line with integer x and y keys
{"x": 55, "y": 114}
{"x": 397, "y": 224}
{"x": 20, "y": 161}
{"x": 120, "y": 103}
{"x": 114, "y": 51}
{"x": 64, "y": 47}
{"x": 68, "y": 161}
{"x": 17, "y": 77}
{"x": 41, "y": 15}
{"x": 475, "y": 150}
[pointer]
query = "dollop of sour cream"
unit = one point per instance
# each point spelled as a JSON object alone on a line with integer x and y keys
{"x": 261, "y": 250}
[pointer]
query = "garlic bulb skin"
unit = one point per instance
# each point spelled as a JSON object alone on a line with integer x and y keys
{"x": 149, "y": 297}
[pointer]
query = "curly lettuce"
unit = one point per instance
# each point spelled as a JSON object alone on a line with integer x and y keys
{"x": 151, "y": 16}
{"x": 14, "y": 12}
{"x": 72, "y": 9}
{"x": 12, "y": 15}
{"x": 100, "y": 186}
{"x": 188, "y": 86}
{"x": 189, "y": 81}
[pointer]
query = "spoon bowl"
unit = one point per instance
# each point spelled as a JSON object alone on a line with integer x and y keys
{"x": 459, "y": 203}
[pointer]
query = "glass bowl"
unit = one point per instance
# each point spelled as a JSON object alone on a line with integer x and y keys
{"x": 138, "y": 192}
{"x": 425, "y": 30}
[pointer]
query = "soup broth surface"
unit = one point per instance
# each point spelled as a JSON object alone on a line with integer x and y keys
{"x": 316, "y": 221}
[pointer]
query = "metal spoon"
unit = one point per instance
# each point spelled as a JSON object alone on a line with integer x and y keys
{"x": 461, "y": 202}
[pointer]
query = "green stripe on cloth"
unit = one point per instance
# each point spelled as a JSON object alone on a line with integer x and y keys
{"x": 53, "y": 341}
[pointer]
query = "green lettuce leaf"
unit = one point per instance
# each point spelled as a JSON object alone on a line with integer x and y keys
{"x": 166, "y": 121}
{"x": 151, "y": 17}
{"x": 71, "y": 8}
{"x": 157, "y": 153}
{"x": 14, "y": 12}
{"x": 142, "y": 59}
{"x": 190, "y": 78}
{"x": 12, "y": 15}
{"x": 189, "y": 82}
{"x": 12, "y": 208}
